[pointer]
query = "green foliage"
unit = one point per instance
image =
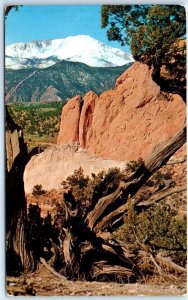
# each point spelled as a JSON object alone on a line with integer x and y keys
{"x": 151, "y": 30}
{"x": 156, "y": 230}
{"x": 37, "y": 119}
{"x": 123, "y": 20}
{"x": 61, "y": 81}
{"x": 158, "y": 177}
{"x": 87, "y": 191}
{"x": 38, "y": 190}
{"x": 152, "y": 42}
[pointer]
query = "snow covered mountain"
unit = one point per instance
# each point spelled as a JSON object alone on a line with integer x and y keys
{"x": 80, "y": 48}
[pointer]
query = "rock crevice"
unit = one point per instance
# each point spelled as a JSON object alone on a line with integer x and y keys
{"x": 124, "y": 123}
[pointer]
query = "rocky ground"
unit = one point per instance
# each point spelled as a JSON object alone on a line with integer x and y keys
{"x": 44, "y": 283}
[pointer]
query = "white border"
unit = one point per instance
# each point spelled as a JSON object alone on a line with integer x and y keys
{"x": 2, "y": 151}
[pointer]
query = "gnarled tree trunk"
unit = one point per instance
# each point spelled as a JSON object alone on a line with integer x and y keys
{"x": 88, "y": 250}
{"x": 18, "y": 257}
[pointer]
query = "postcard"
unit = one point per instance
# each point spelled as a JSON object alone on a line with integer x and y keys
{"x": 95, "y": 137}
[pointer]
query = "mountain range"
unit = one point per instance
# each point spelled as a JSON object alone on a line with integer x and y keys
{"x": 58, "y": 82}
{"x": 80, "y": 48}
{"x": 59, "y": 69}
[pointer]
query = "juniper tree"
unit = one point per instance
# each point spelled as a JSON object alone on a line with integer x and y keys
{"x": 150, "y": 30}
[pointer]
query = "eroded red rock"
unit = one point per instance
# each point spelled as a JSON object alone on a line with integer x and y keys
{"x": 125, "y": 123}
{"x": 69, "y": 131}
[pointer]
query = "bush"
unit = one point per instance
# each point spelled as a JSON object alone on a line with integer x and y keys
{"x": 133, "y": 165}
{"x": 38, "y": 190}
{"x": 156, "y": 230}
{"x": 88, "y": 190}
{"x": 146, "y": 233}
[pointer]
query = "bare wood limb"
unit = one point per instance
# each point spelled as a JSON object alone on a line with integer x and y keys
{"x": 157, "y": 158}
{"x": 177, "y": 161}
{"x": 102, "y": 204}
{"x": 102, "y": 268}
{"x": 67, "y": 247}
{"x": 17, "y": 245}
{"x": 156, "y": 264}
{"x": 165, "y": 150}
{"x": 112, "y": 203}
{"x": 49, "y": 268}
{"x": 109, "y": 220}
{"x": 170, "y": 264}
{"x": 118, "y": 250}
{"x": 90, "y": 254}
{"x": 162, "y": 195}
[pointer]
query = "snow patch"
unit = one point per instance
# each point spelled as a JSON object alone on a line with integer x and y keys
{"x": 81, "y": 48}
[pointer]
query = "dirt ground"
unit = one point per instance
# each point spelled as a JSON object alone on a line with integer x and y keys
{"x": 44, "y": 283}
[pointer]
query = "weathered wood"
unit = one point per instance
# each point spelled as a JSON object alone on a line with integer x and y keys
{"x": 102, "y": 204}
{"x": 19, "y": 257}
{"x": 158, "y": 259}
{"x": 157, "y": 158}
{"x": 156, "y": 264}
{"x": 162, "y": 152}
{"x": 49, "y": 268}
{"x": 88, "y": 250}
{"x": 162, "y": 195}
{"x": 170, "y": 264}
{"x": 102, "y": 269}
{"x": 177, "y": 161}
{"x": 108, "y": 222}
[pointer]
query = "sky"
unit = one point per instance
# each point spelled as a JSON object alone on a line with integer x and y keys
{"x": 42, "y": 22}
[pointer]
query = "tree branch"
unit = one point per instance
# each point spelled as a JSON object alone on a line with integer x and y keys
{"x": 102, "y": 204}
{"x": 162, "y": 195}
{"x": 49, "y": 268}
{"x": 115, "y": 204}
{"x": 170, "y": 264}
{"x": 165, "y": 150}
{"x": 177, "y": 161}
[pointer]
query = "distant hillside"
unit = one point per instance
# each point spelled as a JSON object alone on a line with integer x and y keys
{"x": 59, "y": 82}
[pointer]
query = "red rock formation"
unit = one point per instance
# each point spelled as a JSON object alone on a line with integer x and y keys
{"x": 69, "y": 131}
{"x": 124, "y": 123}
